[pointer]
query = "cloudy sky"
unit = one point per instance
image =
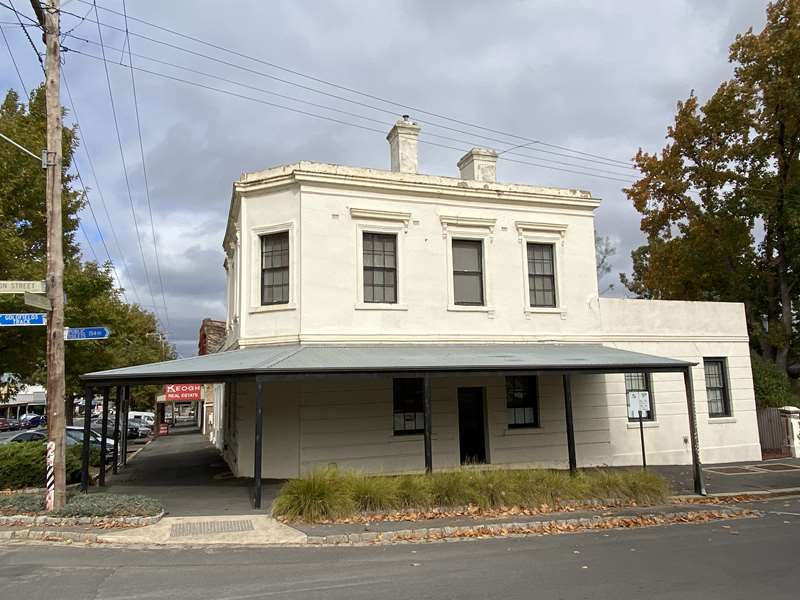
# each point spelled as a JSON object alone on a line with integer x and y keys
{"x": 600, "y": 77}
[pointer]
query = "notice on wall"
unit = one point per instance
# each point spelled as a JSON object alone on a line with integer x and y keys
{"x": 638, "y": 401}
{"x": 182, "y": 392}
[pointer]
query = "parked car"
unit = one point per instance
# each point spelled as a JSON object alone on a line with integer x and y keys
{"x": 8, "y": 424}
{"x": 138, "y": 428}
{"x": 8, "y": 437}
{"x": 75, "y": 436}
{"x": 32, "y": 420}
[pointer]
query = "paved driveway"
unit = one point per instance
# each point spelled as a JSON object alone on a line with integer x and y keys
{"x": 778, "y": 473}
{"x": 188, "y": 475}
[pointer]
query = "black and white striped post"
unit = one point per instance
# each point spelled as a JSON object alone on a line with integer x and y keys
{"x": 51, "y": 474}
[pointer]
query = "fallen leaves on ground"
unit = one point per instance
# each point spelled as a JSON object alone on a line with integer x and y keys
{"x": 474, "y": 511}
{"x": 560, "y": 527}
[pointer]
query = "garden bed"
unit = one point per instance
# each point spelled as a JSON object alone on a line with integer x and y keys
{"x": 80, "y": 509}
{"x": 331, "y": 495}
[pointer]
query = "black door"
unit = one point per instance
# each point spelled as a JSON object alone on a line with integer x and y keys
{"x": 471, "y": 425}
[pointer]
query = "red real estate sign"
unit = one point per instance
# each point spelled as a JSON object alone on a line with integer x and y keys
{"x": 182, "y": 392}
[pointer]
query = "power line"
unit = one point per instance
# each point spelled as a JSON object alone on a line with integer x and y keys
{"x": 348, "y": 113}
{"x": 80, "y": 179}
{"x": 598, "y": 159}
{"x": 124, "y": 165}
{"x": 20, "y": 146}
{"x": 331, "y": 119}
{"x": 25, "y": 30}
{"x": 85, "y": 147}
{"x": 358, "y": 92}
{"x": 89, "y": 242}
{"x": 14, "y": 62}
{"x": 144, "y": 171}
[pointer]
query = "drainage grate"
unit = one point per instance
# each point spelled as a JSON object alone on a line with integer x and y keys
{"x": 777, "y": 467}
{"x": 209, "y": 527}
{"x": 729, "y": 470}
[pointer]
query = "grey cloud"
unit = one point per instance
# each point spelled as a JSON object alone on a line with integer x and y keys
{"x": 601, "y": 77}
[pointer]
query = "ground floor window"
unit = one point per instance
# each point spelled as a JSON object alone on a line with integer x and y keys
{"x": 639, "y": 383}
{"x": 522, "y": 402}
{"x": 719, "y": 404}
{"x": 409, "y": 406}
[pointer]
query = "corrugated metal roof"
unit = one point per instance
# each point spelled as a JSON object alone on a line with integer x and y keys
{"x": 296, "y": 358}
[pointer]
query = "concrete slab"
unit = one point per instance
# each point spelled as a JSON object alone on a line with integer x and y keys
{"x": 189, "y": 476}
{"x": 730, "y": 478}
{"x": 241, "y": 530}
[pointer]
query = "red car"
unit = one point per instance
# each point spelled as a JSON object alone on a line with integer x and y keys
{"x": 7, "y": 424}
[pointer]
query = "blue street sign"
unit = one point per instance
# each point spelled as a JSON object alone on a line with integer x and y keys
{"x": 86, "y": 333}
{"x": 22, "y": 319}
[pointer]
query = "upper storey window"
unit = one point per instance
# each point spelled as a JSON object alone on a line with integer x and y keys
{"x": 541, "y": 275}
{"x": 380, "y": 268}
{"x": 275, "y": 268}
{"x": 468, "y": 272}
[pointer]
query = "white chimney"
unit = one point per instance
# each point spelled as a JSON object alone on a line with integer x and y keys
{"x": 403, "y": 145}
{"x": 479, "y": 164}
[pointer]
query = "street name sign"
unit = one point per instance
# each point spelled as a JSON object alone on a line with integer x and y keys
{"x": 20, "y": 287}
{"x": 38, "y": 301}
{"x": 86, "y": 333}
{"x": 22, "y": 319}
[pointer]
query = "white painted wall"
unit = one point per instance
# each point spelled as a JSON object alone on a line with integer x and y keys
{"x": 327, "y": 209}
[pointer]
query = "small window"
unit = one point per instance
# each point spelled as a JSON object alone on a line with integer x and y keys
{"x": 639, "y": 382}
{"x": 409, "y": 406}
{"x": 719, "y": 404}
{"x": 275, "y": 268}
{"x": 380, "y": 268}
{"x": 468, "y": 272}
{"x": 541, "y": 275}
{"x": 522, "y": 402}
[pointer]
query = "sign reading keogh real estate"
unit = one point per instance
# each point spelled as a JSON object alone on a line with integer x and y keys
{"x": 182, "y": 392}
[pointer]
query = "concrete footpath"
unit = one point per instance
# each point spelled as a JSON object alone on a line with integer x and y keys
{"x": 204, "y": 504}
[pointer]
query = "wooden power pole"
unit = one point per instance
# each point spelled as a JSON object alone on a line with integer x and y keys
{"x": 50, "y": 20}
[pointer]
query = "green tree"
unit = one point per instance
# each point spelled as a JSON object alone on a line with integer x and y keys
{"x": 92, "y": 298}
{"x": 721, "y": 203}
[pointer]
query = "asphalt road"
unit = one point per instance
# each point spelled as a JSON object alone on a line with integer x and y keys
{"x": 752, "y": 558}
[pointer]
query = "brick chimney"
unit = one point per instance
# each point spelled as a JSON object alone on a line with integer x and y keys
{"x": 403, "y": 145}
{"x": 479, "y": 164}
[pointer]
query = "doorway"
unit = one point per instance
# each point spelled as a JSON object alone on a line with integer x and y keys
{"x": 471, "y": 425}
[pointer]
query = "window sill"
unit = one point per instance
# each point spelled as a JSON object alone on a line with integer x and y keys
{"x": 645, "y": 424}
{"x": 524, "y": 430}
{"x": 543, "y": 309}
{"x": 272, "y": 308}
{"x": 470, "y": 308}
{"x": 721, "y": 420}
{"x": 379, "y": 306}
{"x": 410, "y": 437}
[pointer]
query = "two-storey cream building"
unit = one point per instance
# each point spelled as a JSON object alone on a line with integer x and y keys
{"x": 341, "y": 269}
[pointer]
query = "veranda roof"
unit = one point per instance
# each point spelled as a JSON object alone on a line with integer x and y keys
{"x": 294, "y": 359}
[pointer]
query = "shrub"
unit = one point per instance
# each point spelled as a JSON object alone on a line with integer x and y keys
{"x": 322, "y": 494}
{"x": 22, "y": 465}
{"x": 108, "y": 505}
{"x": 771, "y": 385}
{"x": 21, "y": 504}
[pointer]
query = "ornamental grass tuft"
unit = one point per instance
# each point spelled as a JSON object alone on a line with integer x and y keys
{"x": 329, "y": 494}
{"x": 321, "y": 494}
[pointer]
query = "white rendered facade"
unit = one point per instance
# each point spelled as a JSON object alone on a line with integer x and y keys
{"x": 326, "y": 212}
